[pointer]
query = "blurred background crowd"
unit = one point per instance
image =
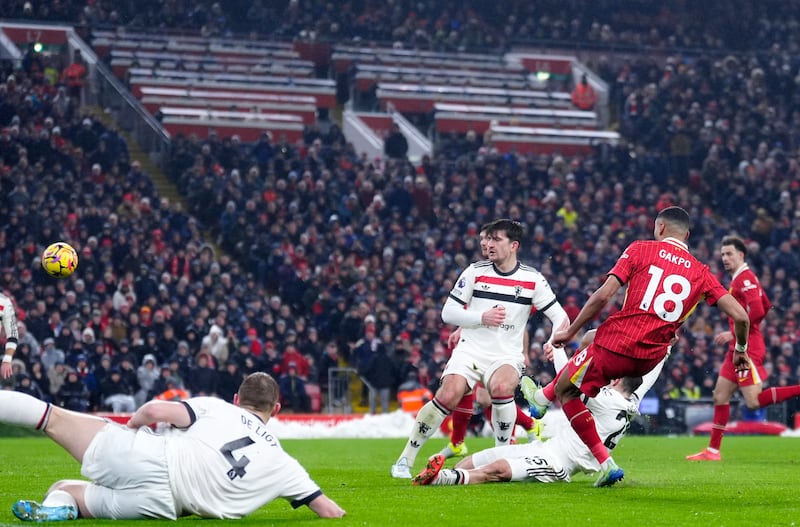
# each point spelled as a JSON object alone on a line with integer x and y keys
{"x": 295, "y": 258}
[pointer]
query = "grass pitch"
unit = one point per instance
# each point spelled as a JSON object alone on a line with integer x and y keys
{"x": 757, "y": 483}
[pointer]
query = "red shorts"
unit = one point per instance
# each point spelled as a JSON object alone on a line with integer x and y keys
{"x": 755, "y": 375}
{"x": 595, "y": 367}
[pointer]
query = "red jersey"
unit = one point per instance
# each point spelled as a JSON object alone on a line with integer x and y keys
{"x": 746, "y": 289}
{"x": 665, "y": 284}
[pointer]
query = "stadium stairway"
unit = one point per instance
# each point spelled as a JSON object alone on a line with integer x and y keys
{"x": 164, "y": 186}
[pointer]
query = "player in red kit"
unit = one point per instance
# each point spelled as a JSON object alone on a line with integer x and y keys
{"x": 664, "y": 284}
{"x": 745, "y": 288}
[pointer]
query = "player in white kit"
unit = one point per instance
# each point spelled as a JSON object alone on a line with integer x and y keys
{"x": 563, "y": 454}
{"x": 8, "y": 316}
{"x": 491, "y": 301}
{"x": 206, "y": 458}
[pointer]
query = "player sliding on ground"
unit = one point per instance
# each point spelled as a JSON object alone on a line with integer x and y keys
{"x": 563, "y": 454}
{"x": 214, "y": 460}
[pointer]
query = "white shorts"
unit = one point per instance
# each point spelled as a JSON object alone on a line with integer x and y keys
{"x": 528, "y": 462}
{"x": 129, "y": 475}
{"x": 476, "y": 367}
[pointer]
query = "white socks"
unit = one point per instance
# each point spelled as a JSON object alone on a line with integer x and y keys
{"x": 59, "y": 498}
{"x": 23, "y": 410}
{"x": 452, "y": 476}
{"x": 426, "y": 423}
{"x": 504, "y": 417}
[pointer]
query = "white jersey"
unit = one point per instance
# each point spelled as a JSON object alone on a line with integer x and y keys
{"x": 227, "y": 464}
{"x": 563, "y": 453}
{"x": 612, "y": 414}
{"x": 9, "y": 319}
{"x": 480, "y": 288}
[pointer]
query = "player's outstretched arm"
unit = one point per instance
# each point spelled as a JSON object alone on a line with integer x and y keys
{"x": 589, "y": 311}
{"x": 174, "y": 413}
{"x": 326, "y": 507}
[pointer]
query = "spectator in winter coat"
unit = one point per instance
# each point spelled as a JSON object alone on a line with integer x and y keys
{"x": 293, "y": 391}
{"x": 147, "y": 374}
{"x": 202, "y": 379}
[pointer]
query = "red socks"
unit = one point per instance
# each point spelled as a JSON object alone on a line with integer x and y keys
{"x": 523, "y": 419}
{"x": 582, "y": 421}
{"x": 722, "y": 413}
{"x": 777, "y": 395}
{"x": 461, "y": 416}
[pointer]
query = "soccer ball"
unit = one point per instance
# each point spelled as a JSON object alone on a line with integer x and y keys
{"x": 59, "y": 260}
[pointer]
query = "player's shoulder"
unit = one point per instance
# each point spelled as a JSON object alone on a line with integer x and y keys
{"x": 208, "y": 404}
{"x": 481, "y": 264}
{"x": 525, "y": 268}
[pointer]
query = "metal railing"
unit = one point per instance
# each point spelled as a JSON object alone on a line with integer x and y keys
{"x": 127, "y": 111}
{"x": 340, "y": 399}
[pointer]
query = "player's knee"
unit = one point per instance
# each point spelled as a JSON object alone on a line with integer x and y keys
{"x": 752, "y": 403}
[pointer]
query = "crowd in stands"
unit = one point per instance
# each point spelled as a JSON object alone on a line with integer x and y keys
{"x": 329, "y": 258}
{"x": 470, "y": 25}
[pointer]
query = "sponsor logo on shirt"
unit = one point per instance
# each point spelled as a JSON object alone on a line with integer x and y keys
{"x": 748, "y": 286}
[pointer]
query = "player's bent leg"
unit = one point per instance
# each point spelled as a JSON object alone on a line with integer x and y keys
{"x": 73, "y": 431}
{"x": 58, "y": 505}
{"x": 69, "y": 492}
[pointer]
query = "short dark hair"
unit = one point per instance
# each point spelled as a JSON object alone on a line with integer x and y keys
{"x": 630, "y": 384}
{"x": 512, "y": 228}
{"x": 259, "y": 391}
{"x": 737, "y": 243}
{"x": 675, "y": 216}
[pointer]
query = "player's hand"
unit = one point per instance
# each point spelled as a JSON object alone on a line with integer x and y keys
{"x": 6, "y": 370}
{"x": 453, "y": 338}
{"x": 723, "y": 337}
{"x": 561, "y": 338}
{"x": 741, "y": 362}
{"x": 493, "y": 317}
{"x": 547, "y": 348}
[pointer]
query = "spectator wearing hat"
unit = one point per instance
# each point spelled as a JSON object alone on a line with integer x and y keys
{"x": 182, "y": 361}
{"x": 217, "y": 343}
{"x": 253, "y": 342}
{"x": 57, "y": 375}
{"x": 248, "y": 363}
{"x": 25, "y": 337}
{"x": 147, "y": 374}
{"x": 116, "y": 394}
{"x": 73, "y": 393}
{"x": 26, "y": 384}
{"x": 124, "y": 352}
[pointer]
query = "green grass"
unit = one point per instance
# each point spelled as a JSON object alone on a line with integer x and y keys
{"x": 756, "y": 484}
